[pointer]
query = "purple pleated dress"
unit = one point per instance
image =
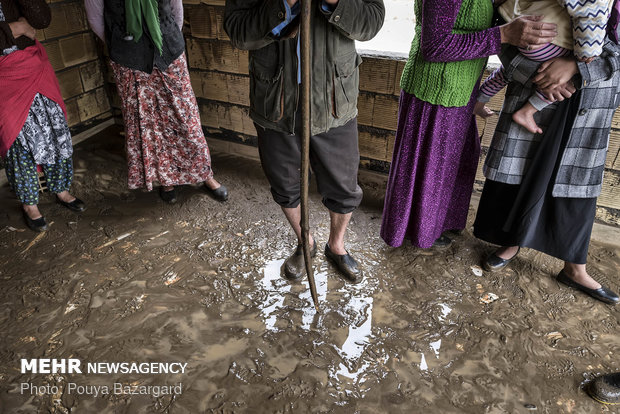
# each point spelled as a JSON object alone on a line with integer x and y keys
{"x": 433, "y": 168}
{"x": 437, "y": 148}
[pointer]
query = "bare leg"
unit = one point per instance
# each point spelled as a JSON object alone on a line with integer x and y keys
{"x": 525, "y": 118}
{"x": 507, "y": 252}
{"x": 578, "y": 273}
{"x": 65, "y": 196}
{"x": 337, "y": 228}
{"x": 293, "y": 215}
{"x": 32, "y": 211}
{"x": 213, "y": 184}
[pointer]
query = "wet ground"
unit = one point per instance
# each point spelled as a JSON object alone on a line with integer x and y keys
{"x": 136, "y": 280}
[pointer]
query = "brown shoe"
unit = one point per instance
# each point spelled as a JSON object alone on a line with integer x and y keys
{"x": 294, "y": 267}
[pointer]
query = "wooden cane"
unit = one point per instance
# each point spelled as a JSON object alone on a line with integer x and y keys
{"x": 305, "y": 142}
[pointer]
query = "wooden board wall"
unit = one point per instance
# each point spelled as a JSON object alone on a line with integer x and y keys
{"x": 74, "y": 56}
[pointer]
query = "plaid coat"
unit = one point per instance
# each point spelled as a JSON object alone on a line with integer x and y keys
{"x": 580, "y": 174}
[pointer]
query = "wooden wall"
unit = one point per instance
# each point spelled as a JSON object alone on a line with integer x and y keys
{"x": 74, "y": 54}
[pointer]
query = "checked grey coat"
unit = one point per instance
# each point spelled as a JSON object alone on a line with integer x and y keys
{"x": 512, "y": 148}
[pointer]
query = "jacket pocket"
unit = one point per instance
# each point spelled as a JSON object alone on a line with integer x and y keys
{"x": 266, "y": 89}
{"x": 345, "y": 85}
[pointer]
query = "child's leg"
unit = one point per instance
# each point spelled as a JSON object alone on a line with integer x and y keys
{"x": 525, "y": 115}
{"x": 525, "y": 118}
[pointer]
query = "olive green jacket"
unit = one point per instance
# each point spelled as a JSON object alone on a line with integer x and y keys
{"x": 274, "y": 89}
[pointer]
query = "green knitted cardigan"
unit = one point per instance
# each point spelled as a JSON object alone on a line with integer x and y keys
{"x": 447, "y": 84}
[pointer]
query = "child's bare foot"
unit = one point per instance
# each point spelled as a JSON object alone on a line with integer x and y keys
{"x": 482, "y": 110}
{"x": 525, "y": 118}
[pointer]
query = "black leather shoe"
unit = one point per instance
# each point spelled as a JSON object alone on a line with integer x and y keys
{"x": 442, "y": 242}
{"x": 494, "y": 262}
{"x": 76, "y": 205}
{"x": 220, "y": 193}
{"x": 346, "y": 265}
{"x": 606, "y": 389}
{"x": 169, "y": 197}
{"x": 39, "y": 224}
{"x": 603, "y": 293}
{"x": 294, "y": 267}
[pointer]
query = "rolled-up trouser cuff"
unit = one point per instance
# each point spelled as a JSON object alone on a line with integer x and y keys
{"x": 334, "y": 158}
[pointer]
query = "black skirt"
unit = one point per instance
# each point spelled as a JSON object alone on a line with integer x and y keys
{"x": 527, "y": 214}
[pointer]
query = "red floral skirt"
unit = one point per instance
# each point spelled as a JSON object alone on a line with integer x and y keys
{"x": 165, "y": 142}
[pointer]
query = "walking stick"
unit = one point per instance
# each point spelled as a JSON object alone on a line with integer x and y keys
{"x": 305, "y": 142}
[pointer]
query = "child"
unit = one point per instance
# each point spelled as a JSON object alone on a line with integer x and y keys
{"x": 581, "y": 27}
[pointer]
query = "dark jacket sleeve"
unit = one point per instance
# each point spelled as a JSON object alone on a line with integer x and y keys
{"x": 358, "y": 19}
{"x": 249, "y": 23}
{"x": 36, "y": 12}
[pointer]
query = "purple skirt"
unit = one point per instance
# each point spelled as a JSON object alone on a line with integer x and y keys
{"x": 436, "y": 154}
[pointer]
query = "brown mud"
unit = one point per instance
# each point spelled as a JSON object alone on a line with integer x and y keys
{"x": 134, "y": 279}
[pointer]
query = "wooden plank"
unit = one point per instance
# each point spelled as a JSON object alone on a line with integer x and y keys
{"x": 54, "y": 55}
{"x": 78, "y": 49}
{"x": 58, "y": 25}
{"x": 91, "y": 75}
{"x": 209, "y": 115}
{"x": 378, "y": 75}
{"x": 373, "y": 146}
{"x": 365, "y": 105}
{"x": 73, "y": 112}
{"x": 385, "y": 112}
{"x": 70, "y": 83}
{"x": 217, "y": 55}
{"x": 400, "y": 66}
{"x": 203, "y": 22}
{"x": 238, "y": 89}
{"x": 610, "y": 193}
{"x": 613, "y": 153}
{"x": 92, "y": 104}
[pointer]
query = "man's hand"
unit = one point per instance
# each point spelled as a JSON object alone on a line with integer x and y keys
{"x": 22, "y": 28}
{"x": 555, "y": 72}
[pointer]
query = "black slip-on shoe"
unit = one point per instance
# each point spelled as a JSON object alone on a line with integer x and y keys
{"x": 76, "y": 205}
{"x": 220, "y": 193}
{"x": 604, "y": 294}
{"x": 169, "y": 197}
{"x": 606, "y": 389}
{"x": 38, "y": 224}
{"x": 442, "y": 242}
{"x": 494, "y": 262}
{"x": 294, "y": 267}
{"x": 347, "y": 266}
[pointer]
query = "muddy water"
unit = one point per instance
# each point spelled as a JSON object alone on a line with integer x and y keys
{"x": 136, "y": 280}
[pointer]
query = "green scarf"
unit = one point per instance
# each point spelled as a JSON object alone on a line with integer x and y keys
{"x": 135, "y": 10}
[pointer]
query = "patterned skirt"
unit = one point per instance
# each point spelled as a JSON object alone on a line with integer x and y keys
{"x": 165, "y": 142}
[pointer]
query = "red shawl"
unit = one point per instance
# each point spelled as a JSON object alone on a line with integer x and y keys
{"x": 23, "y": 74}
